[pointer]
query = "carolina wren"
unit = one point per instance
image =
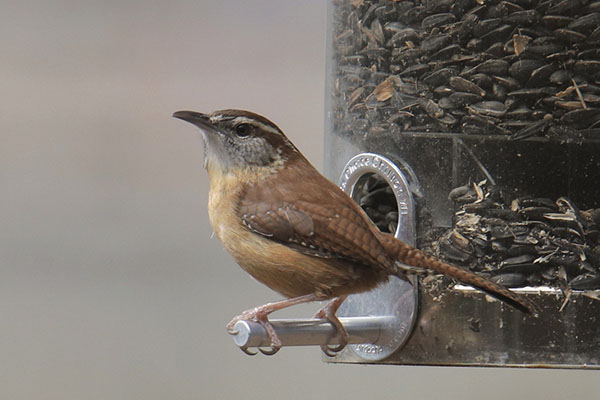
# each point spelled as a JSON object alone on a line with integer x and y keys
{"x": 295, "y": 231}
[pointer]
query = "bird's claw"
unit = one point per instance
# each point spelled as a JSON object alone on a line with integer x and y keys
{"x": 232, "y": 332}
{"x": 328, "y": 313}
{"x": 275, "y": 341}
{"x": 332, "y": 351}
{"x": 250, "y": 353}
{"x": 267, "y": 352}
{"x": 272, "y": 350}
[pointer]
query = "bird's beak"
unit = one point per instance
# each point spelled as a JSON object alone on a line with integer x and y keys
{"x": 202, "y": 121}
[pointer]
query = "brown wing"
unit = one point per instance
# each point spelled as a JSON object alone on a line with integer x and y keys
{"x": 313, "y": 216}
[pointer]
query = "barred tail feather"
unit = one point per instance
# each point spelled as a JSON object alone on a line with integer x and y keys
{"x": 416, "y": 258}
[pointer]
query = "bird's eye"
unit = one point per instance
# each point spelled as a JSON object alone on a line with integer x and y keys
{"x": 243, "y": 130}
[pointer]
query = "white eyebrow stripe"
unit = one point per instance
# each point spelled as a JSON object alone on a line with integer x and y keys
{"x": 264, "y": 127}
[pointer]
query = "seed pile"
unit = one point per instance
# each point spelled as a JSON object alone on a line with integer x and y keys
{"x": 377, "y": 199}
{"x": 519, "y": 69}
{"x": 526, "y": 241}
{"x": 519, "y": 242}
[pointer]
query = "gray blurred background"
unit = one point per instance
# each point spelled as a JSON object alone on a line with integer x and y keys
{"x": 111, "y": 285}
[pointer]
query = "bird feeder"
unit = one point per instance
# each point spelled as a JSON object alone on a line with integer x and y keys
{"x": 491, "y": 113}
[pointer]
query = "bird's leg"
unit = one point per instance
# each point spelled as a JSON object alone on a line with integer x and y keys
{"x": 328, "y": 313}
{"x": 260, "y": 315}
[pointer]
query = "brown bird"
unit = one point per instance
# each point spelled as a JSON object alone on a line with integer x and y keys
{"x": 294, "y": 230}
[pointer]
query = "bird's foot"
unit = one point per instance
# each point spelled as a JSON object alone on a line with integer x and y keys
{"x": 260, "y": 315}
{"x": 328, "y": 313}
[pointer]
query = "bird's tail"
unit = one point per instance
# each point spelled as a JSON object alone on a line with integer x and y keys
{"x": 410, "y": 256}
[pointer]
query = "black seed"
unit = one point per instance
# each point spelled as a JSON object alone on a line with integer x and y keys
{"x": 434, "y": 43}
{"x": 556, "y": 21}
{"x": 510, "y": 280}
{"x": 569, "y": 35}
{"x": 585, "y": 282}
{"x": 437, "y": 20}
{"x": 522, "y": 69}
{"x": 527, "y": 17}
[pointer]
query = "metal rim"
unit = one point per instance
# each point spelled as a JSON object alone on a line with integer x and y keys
{"x": 397, "y": 298}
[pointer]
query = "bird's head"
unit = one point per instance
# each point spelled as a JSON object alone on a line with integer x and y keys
{"x": 238, "y": 140}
